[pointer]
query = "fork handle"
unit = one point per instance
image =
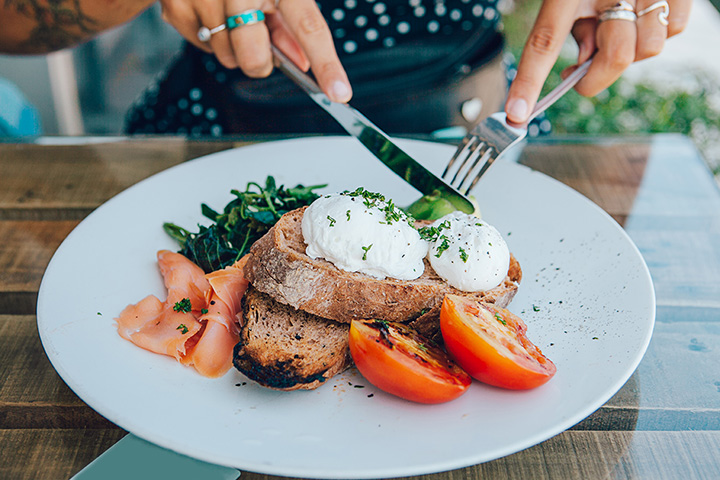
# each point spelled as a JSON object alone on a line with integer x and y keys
{"x": 560, "y": 90}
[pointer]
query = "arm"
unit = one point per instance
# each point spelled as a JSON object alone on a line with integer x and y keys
{"x": 43, "y": 26}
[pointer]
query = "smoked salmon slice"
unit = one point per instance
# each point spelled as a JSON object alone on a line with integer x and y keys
{"x": 212, "y": 355}
{"x": 203, "y": 333}
{"x": 158, "y": 326}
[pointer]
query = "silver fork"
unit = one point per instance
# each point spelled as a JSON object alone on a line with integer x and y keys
{"x": 494, "y": 136}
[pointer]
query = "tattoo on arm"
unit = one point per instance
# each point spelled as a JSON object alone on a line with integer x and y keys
{"x": 58, "y": 23}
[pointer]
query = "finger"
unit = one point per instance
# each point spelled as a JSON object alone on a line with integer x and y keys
{"x": 250, "y": 42}
{"x": 286, "y": 42}
{"x": 180, "y": 15}
{"x": 651, "y": 33}
{"x": 312, "y": 33}
{"x": 679, "y": 16}
{"x": 616, "y": 41}
{"x": 211, "y": 15}
{"x": 552, "y": 26}
{"x": 584, "y": 33}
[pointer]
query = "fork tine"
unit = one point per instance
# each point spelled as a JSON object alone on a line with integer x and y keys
{"x": 461, "y": 150}
{"x": 469, "y": 163}
{"x": 489, "y": 157}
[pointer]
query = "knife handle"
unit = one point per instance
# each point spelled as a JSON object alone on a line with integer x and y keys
{"x": 288, "y": 67}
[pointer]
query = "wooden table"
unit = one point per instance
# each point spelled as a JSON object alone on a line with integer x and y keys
{"x": 664, "y": 423}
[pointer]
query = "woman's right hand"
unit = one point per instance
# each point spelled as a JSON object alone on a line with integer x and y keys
{"x": 295, "y": 26}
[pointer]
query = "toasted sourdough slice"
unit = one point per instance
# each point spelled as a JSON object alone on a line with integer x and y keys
{"x": 288, "y": 349}
{"x": 278, "y": 266}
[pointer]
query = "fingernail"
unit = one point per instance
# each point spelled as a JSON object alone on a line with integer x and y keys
{"x": 517, "y": 109}
{"x": 340, "y": 91}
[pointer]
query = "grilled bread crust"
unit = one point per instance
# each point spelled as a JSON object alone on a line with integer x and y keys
{"x": 278, "y": 266}
{"x": 287, "y": 349}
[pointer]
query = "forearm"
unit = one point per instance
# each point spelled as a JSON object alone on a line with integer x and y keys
{"x": 43, "y": 26}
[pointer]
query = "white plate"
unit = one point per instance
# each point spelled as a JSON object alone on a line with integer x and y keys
{"x": 586, "y": 296}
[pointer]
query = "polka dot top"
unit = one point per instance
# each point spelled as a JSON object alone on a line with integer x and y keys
{"x": 385, "y": 46}
{"x": 360, "y": 25}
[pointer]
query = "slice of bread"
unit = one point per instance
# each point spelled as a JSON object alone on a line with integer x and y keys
{"x": 278, "y": 266}
{"x": 287, "y": 349}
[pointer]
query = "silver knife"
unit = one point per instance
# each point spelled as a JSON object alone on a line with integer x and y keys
{"x": 374, "y": 139}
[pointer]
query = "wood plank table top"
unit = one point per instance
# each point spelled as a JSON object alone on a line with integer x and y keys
{"x": 663, "y": 424}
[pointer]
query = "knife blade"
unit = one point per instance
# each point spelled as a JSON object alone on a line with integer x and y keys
{"x": 374, "y": 139}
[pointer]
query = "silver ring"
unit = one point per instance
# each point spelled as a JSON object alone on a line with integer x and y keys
{"x": 662, "y": 16}
{"x": 205, "y": 33}
{"x": 620, "y": 11}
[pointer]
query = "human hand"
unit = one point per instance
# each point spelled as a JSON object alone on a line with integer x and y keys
{"x": 295, "y": 26}
{"x": 615, "y": 43}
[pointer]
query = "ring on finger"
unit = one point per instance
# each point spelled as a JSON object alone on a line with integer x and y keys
{"x": 662, "y": 16}
{"x": 204, "y": 33}
{"x": 620, "y": 11}
{"x": 248, "y": 17}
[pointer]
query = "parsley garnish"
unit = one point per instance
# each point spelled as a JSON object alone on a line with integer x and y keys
{"x": 183, "y": 306}
{"x": 348, "y": 215}
{"x": 366, "y": 249}
{"x": 204, "y": 311}
{"x": 463, "y": 255}
{"x": 500, "y": 319}
{"x": 431, "y": 234}
{"x": 332, "y": 221}
{"x": 183, "y": 328}
{"x": 444, "y": 245}
{"x": 536, "y": 308}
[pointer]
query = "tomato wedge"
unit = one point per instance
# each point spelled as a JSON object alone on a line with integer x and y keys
{"x": 490, "y": 344}
{"x": 397, "y": 359}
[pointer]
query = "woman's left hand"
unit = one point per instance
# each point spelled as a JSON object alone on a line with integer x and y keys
{"x": 615, "y": 42}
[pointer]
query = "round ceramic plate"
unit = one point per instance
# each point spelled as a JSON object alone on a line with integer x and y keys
{"x": 586, "y": 297}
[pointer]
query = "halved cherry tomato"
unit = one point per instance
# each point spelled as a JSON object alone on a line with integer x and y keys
{"x": 490, "y": 344}
{"x": 397, "y": 359}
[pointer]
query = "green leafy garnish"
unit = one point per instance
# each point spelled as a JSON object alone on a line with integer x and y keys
{"x": 500, "y": 319}
{"x": 431, "y": 234}
{"x": 366, "y": 250}
{"x": 243, "y": 221}
{"x": 204, "y": 311}
{"x": 463, "y": 255}
{"x": 183, "y": 306}
{"x": 332, "y": 221}
{"x": 183, "y": 328}
{"x": 444, "y": 245}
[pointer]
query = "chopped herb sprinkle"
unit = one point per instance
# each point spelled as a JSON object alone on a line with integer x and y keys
{"x": 377, "y": 200}
{"x": 204, "y": 311}
{"x": 500, "y": 319}
{"x": 431, "y": 234}
{"x": 332, "y": 221}
{"x": 536, "y": 308}
{"x": 183, "y": 306}
{"x": 183, "y": 328}
{"x": 463, "y": 255}
{"x": 444, "y": 245}
{"x": 348, "y": 215}
{"x": 366, "y": 250}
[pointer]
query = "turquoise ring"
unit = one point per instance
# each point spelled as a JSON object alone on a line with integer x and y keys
{"x": 248, "y": 17}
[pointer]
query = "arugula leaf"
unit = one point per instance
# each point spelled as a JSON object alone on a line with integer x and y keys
{"x": 242, "y": 222}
